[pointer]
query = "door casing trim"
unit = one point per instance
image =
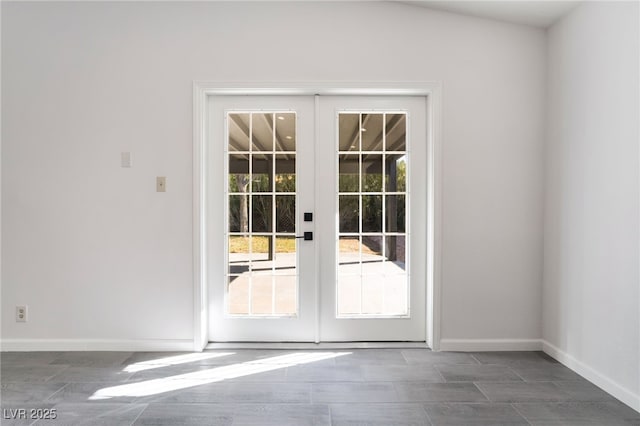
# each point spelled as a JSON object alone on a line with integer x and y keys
{"x": 432, "y": 91}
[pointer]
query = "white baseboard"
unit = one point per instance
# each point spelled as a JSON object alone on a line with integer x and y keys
{"x": 151, "y": 345}
{"x": 480, "y": 345}
{"x": 595, "y": 377}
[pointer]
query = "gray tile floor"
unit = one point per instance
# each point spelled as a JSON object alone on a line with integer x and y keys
{"x": 294, "y": 387}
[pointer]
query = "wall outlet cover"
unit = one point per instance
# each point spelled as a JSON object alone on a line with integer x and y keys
{"x": 21, "y": 314}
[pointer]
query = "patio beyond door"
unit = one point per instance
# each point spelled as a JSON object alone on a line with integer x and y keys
{"x": 318, "y": 212}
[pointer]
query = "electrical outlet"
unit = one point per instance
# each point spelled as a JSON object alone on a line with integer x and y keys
{"x": 21, "y": 314}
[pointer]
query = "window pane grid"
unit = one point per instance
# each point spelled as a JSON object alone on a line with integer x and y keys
{"x": 371, "y": 275}
{"x": 262, "y": 260}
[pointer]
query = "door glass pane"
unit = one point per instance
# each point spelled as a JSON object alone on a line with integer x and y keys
{"x": 395, "y": 213}
{"x": 286, "y": 213}
{"x": 239, "y": 132}
{"x": 261, "y": 294}
{"x": 238, "y": 294}
{"x": 373, "y": 225}
{"x": 238, "y": 254}
{"x": 285, "y": 131}
{"x": 262, "y": 132}
{"x": 349, "y": 213}
{"x": 349, "y": 255}
{"x": 349, "y": 295}
{"x": 372, "y": 173}
{"x": 260, "y": 251}
{"x": 349, "y": 132}
{"x": 395, "y": 173}
{"x": 396, "y": 132}
{"x": 371, "y": 129}
{"x": 396, "y": 298}
{"x": 349, "y": 166}
{"x": 238, "y": 213}
{"x": 395, "y": 249}
{"x": 395, "y": 293}
{"x": 262, "y": 276}
{"x": 262, "y": 172}
{"x": 261, "y": 213}
{"x": 286, "y": 173}
{"x": 373, "y": 287}
{"x": 285, "y": 258}
{"x": 238, "y": 173}
{"x": 372, "y": 213}
{"x": 372, "y": 255}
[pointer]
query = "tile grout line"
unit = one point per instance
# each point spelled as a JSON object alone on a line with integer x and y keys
{"x": 50, "y": 378}
{"x": 483, "y": 394}
{"x": 139, "y": 414}
{"x": 404, "y": 357}
{"x": 440, "y": 373}
{"x": 516, "y": 373}
{"x": 476, "y": 359}
{"x": 424, "y": 408}
{"x": 513, "y": 405}
{"x": 53, "y": 394}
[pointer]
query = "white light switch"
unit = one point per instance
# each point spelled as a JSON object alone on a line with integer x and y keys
{"x": 125, "y": 159}
{"x": 161, "y": 184}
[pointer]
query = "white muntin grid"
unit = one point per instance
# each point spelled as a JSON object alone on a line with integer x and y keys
{"x": 277, "y": 151}
{"x": 384, "y": 153}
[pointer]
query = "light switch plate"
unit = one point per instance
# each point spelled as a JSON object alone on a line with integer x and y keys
{"x": 125, "y": 159}
{"x": 161, "y": 184}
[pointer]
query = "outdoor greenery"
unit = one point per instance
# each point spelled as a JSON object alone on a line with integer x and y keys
{"x": 371, "y": 204}
{"x": 262, "y": 204}
{"x": 348, "y": 204}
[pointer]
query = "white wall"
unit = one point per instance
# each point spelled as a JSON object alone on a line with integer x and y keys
{"x": 96, "y": 253}
{"x": 591, "y": 284}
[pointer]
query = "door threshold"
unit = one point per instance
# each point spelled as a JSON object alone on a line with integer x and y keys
{"x": 320, "y": 346}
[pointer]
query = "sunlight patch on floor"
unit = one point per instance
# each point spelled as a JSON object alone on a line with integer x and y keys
{"x": 173, "y": 360}
{"x": 217, "y": 374}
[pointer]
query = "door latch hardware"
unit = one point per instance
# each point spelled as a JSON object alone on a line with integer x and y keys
{"x": 308, "y": 236}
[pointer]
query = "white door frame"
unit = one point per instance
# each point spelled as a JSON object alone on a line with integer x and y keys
{"x": 432, "y": 91}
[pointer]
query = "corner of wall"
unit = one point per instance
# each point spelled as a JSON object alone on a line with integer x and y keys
{"x": 576, "y": 162}
{"x": 620, "y": 392}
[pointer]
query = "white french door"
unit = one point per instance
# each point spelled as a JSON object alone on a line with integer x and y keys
{"x": 261, "y": 182}
{"x": 317, "y": 213}
{"x": 372, "y": 275}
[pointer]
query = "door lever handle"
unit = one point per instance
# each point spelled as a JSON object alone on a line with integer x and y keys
{"x": 308, "y": 236}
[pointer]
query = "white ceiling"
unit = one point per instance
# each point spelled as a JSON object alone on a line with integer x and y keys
{"x": 540, "y": 13}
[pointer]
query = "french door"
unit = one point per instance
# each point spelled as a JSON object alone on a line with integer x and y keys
{"x": 317, "y": 213}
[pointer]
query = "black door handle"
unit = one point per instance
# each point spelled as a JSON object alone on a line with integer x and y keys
{"x": 308, "y": 236}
